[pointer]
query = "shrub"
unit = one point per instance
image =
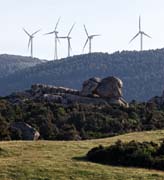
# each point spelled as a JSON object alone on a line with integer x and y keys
{"x": 146, "y": 154}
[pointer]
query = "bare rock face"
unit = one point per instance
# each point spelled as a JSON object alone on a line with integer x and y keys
{"x": 26, "y": 131}
{"x": 89, "y": 86}
{"x": 110, "y": 87}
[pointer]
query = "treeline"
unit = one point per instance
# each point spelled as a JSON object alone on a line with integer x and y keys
{"x": 79, "y": 121}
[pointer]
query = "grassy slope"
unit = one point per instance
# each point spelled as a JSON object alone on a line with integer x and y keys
{"x": 58, "y": 160}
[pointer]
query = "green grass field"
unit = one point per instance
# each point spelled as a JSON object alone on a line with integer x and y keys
{"x": 63, "y": 160}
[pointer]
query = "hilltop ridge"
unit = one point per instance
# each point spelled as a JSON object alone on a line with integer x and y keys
{"x": 141, "y": 72}
{"x": 10, "y": 64}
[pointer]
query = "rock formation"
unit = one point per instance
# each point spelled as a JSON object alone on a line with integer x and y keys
{"x": 110, "y": 87}
{"x": 94, "y": 91}
{"x": 89, "y": 86}
{"x": 48, "y": 89}
{"x": 25, "y": 131}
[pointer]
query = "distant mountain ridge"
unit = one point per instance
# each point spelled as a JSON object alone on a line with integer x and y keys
{"x": 141, "y": 72}
{"x": 11, "y": 63}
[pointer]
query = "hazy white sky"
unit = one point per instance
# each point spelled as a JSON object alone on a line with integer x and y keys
{"x": 115, "y": 20}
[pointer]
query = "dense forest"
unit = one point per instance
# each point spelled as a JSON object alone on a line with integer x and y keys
{"x": 79, "y": 121}
{"x": 141, "y": 72}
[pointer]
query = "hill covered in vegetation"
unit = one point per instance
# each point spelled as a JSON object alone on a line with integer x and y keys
{"x": 141, "y": 72}
{"x": 10, "y": 64}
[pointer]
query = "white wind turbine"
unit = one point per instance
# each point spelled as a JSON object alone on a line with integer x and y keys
{"x": 141, "y": 33}
{"x": 30, "y": 42}
{"x": 68, "y": 39}
{"x": 55, "y": 32}
{"x": 89, "y": 39}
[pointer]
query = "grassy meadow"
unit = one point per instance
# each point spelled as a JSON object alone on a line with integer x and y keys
{"x": 63, "y": 160}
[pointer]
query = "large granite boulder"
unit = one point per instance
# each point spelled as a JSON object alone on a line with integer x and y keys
{"x": 89, "y": 86}
{"x": 26, "y": 132}
{"x": 110, "y": 87}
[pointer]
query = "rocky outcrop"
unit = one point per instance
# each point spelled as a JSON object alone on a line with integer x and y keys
{"x": 67, "y": 99}
{"x": 110, "y": 87}
{"x": 89, "y": 86}
{"x": 94, "y": 91}
{"x": 48, "y": 89}
{"x": 25, "y": 131}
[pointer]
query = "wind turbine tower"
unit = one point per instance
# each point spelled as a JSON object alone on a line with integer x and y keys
{"x": 89, "y": 39}
{"x": 141, "y": 33}
{"x": 68, "y": 37}
{"x": 30, "y": 42}
{"x": 56, "y": 39}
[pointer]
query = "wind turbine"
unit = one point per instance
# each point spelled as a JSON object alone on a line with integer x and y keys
{"x": 55, "y": 32}
{"x": 89, "y": 39}
{"x": 68, "y": 39}
{"x": 141, "y": 33}
{"x": 30, "y": 42}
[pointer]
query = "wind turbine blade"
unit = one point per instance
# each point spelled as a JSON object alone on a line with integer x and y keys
{"x": 57, "y": 23}
{"x": 86, "y": 30}
{"x": 147, "y": 35}
{"x": 69, "y": 44}
{"x": 50, "y": 33}
{"x": 62, "y": 37}
{"x": 134, "y": 37}
{"x": 36, "y": 32}
{"x": 29, "y": 42}
{"x": 85, "y": 44}
{"x": 96, "y": 35}
{"x": 139, "y": 23}
{"x": 71, "y": 29}
{"x": 26, "y": 32}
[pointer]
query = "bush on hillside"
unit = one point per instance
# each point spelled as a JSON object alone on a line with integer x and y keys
{"x": 136, "y": 154}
